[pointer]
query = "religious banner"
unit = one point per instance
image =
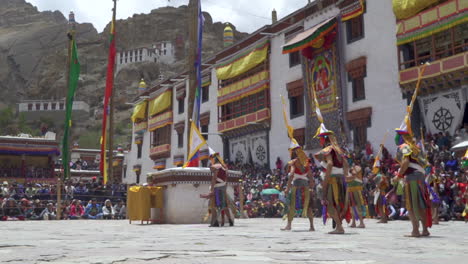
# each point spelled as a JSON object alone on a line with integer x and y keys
{"x": 321, "y": 75}
{"x": 443, "y": 112}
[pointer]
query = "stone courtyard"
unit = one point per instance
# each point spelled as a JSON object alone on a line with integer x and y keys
{"x": 249, "y": 241}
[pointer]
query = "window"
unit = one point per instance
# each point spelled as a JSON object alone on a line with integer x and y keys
{"x": 141, "y": 58}
{"x": 355, "y": 29}
{"x": 294, "y": 59}
{"x": 205, "y": 93}
{"x": 164, "y": 52}
{"x": 162, "y": 136}
{"x": 180, "y": 140}
{"x": 54, "y": 106}
{"x": 46, "y": 106}
{"x": 139, "y": 150}
{"x": 296, "y": 106}
{"x": 38, "y": 106}
{"x": 204, "y": 131}
{"x": 204, "y": 163}
{"x": 359, "y": 137}
{"x": 358, "y": 89}
{"x": 245, "y": 106}
{"x": 61, "y": 106}
{"x": 30, "y": 107}
{"x": 181, "y": 102}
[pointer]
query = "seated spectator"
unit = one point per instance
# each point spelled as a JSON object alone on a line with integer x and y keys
{"x": 120, "y": 210}
{"x": 30, "y": 191}
{"x": 65, "y": 213}
{"x": 107, "y": 210}
{"x": 49, "y": 213}
{"x": 93, "y": 210}
{"x": 76, "y": 210}
{"x": 37, "y": 209}
{"x": 26, "y": 207}
{"x": 4, "y": 190}
{"x": 11, "y": 211}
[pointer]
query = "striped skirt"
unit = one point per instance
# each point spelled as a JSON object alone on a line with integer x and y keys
{"x": 219, "y": 198}
{"x": 299, "y": 199}
{"x": 336, "y": 193}
{"x": 354, "y": 198}
{"x": 416, "y": 197}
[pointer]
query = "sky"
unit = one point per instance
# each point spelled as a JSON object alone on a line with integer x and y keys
{"x": 246, "y": 15}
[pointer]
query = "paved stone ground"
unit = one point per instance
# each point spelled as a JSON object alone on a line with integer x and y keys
{"x": 250, "y": 241}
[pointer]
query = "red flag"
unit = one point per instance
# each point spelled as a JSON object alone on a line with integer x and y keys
{"x": 107, "y": 95}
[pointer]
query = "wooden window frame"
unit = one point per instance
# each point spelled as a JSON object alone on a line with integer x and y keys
{"x": 205, "y": 94}
{"x": 361, "y": 94}
{"x": 351, "y": 26}
{"x": 294, "y": 59}
{"x": 244, "y": 106}
{"x": 180, "y": 140}
{"x": 296, "y": 109}
{"x": 161, "y": 136}
{"x": 181, "y": 105}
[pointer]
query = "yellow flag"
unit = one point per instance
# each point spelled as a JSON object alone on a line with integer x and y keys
{"x": 195, "y": 143}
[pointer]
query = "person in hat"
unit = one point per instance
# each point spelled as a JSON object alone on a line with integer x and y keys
{"x": 412, "y": 169}
{"x": 335, "y": 165}
{"x": 219, "y": 199}
{"x": 354, "y": 198}
{"x": 381, "y": 185}
{"x": 300, "y": 182}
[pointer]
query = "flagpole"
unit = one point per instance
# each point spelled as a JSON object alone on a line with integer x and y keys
{"x": 190, "y": 66}
{"x": 66, "y": 169}
{"x": 110, "y": 173}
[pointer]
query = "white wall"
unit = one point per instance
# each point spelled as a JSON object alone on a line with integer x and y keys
{"x": 280, "y": 75}
{"x": 382, "y": 88}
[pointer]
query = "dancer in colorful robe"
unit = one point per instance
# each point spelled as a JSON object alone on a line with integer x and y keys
{"x": 219, "y": 200}
{"x": 354, "y": 198}
{"x": 380, "y": 199}
{"x": 412, "y": 168}
{"x": 336, "y": 166}
{"x": 433, "y": 182}
{"x": 299, "y": 187}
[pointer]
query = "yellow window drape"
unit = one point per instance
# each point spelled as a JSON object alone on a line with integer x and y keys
{"x": 139, "y": 112}
{"x": 407, "y": 8}
{"x": 160, "y": 103}
{"x": 243, "y": 63}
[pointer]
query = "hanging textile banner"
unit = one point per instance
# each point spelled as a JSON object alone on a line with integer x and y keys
{"x": 313, "y": 37}
{"x": 432, "y": 21}
{"x": 242, "y": 62}
{"x": 160, "y": 103}
{"x": 139, "y": 112}
{"x": 204, "y": 154}
{"x": 408, "y": 8}
{"x": 161, "y": 120}
{"x": 178, "y": 160}
{"x": 353, "y": 10}
{"x": 243, "y": 88}
{"x": 443, "y": 112}
{"x": 322, "y": 75}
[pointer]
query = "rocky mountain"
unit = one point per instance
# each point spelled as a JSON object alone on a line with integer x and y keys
{"x": 33, "y": 48}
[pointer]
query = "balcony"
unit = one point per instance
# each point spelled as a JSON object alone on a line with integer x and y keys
{"x": 259, "y": 117}
{"x": 161, "y": 151}
{"x": 448, "y": 72}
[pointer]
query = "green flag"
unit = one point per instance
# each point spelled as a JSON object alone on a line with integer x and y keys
{"x": 73, "y": 83}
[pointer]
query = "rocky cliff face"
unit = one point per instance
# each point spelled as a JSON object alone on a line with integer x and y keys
{"x": 33, "y": 47}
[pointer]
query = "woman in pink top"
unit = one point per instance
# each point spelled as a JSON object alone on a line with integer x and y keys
{"x": 76, "y": 210}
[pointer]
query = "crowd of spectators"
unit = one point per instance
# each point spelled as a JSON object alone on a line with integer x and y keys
{"x": 79, "y": 200}
{"x": 447, "y": 168}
